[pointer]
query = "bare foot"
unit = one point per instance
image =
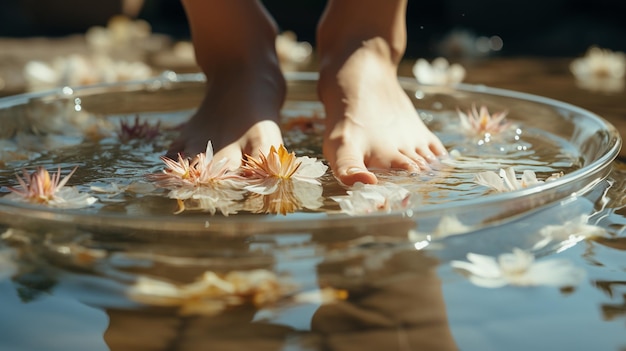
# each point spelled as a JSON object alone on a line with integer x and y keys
{"x": 234, "y": 42}
{"x": 370, "y": 121}
{"x": 239, "y": 115}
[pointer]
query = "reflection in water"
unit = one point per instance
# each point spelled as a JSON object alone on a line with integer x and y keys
{"x": 72, "y": 288}
{"x": 392, "y": 294}
{"x": 394, "y": 301}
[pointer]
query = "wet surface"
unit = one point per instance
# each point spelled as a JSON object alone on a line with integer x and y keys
{"x": 70, "y": 289}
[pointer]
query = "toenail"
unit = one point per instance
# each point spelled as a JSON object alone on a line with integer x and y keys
{"x": 354, "y": 170}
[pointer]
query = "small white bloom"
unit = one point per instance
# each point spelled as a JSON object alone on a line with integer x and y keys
{"x": 448, "y": 225}
{"x": 570, "y": 232}
{"x": 440, "y": 72}
{"x": 519, "y": 268}
{"x": 76, "y": 70}
{"x": 369, "y": 198}
{"x": 599, "y": 63}
{"x": 600, "y": 70}
{"x": 506, "y": 180}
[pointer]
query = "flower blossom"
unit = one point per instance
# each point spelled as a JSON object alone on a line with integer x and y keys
{"x": 506, "y": 180}
{"x": 137, "y": 130}
{"x": 570, "y": 232}
{"x": 41, "y": 188}
{"x": 207, "y": 184}
{"x": 519, "y": 268}
{"x": 440, "y": 72}
{"x": 268, "y": 171}
{"x": 369, "y": 198}
{"x": 211, "y": 293}
{"x": 600, "y": 70}
{"x": 77, "y": 69}
{"x": 481, "y": 122}
{"x": 448, "y": 225}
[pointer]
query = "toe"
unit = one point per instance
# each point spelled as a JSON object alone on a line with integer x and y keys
{"x": 409, "y": 161}
{"x": 349, "y": 168}
{"x": 437, "y": 149}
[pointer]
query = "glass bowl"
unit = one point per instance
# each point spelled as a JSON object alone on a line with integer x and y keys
{"x": 586, "y": 138}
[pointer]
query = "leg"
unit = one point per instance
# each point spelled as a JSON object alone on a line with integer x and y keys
{"x": 370, "y": 121}
{"x": 235, "y": 47}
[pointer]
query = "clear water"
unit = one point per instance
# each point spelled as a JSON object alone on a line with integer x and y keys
{"x": 70, "y": 290}
{"x": 106, "y": 159}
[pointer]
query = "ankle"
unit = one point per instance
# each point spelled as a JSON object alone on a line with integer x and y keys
{"x": 341, "y": 70}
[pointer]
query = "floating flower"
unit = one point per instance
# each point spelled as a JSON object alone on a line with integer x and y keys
{"x": 41, "y": 188}
{"x": 506, "y": 180}
{"x": 267, "y": 172}
{"x": 289, "y": 197}
{"x": 206, "y": 183}
{"x": 75, "y": 70}
{"x": 201, "y": 170}
{"x": 600, "y": 70}
{"x": 481, "y": 122}
{"x": 440, "y": 72}
{"x": 519, "y": 268}
{"x": 212, "y": 293}
{"x": 570, "y": 232}
{"x": 138, "y": 130}
{"x": 369, "y": 198}
{"x": 448, "y": 225}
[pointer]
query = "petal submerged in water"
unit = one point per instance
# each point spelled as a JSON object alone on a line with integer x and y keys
{"x": 518, "y": 268}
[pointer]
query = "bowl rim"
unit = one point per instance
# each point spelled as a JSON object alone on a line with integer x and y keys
{"x": 249, "y": 223}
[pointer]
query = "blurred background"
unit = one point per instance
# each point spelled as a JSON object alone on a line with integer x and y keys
{"x": 529, "y": 46}
{"x": 531, "y": 27}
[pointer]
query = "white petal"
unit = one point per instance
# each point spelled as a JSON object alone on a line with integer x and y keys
{"x": 479, "y": 265}
{"x": 488, "y": 282}
{"x": 491, "y": 180}
{"x": 266, "y": 187}
{"x": 558, "y": 272}
{"x": 310, "y": 168}
{"x": 309, "y": 195}
{"x": 509, "y": 178}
